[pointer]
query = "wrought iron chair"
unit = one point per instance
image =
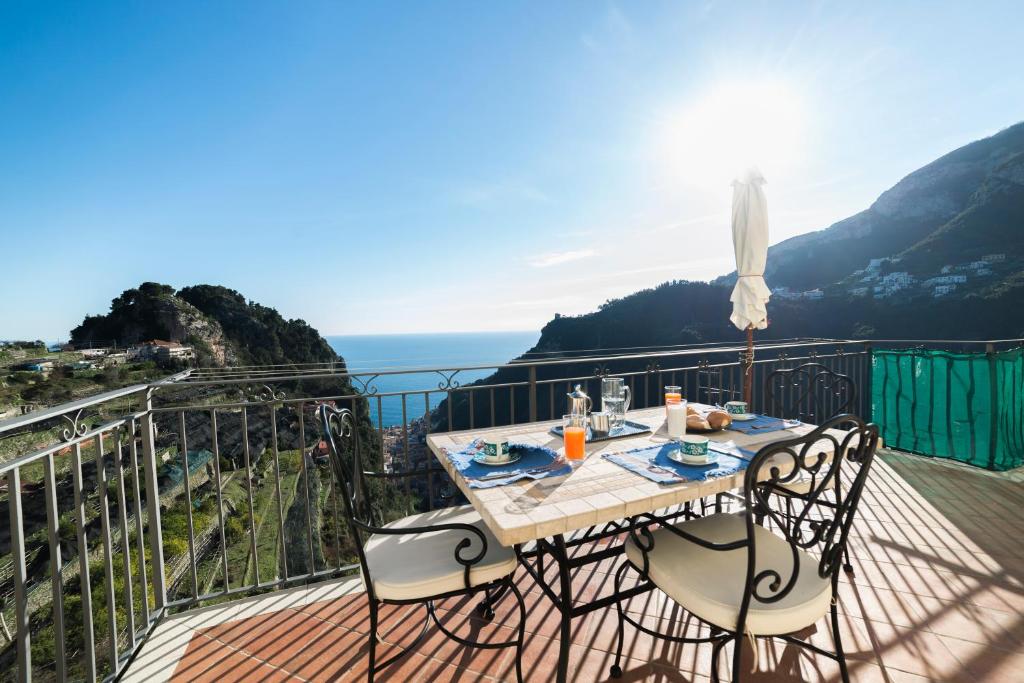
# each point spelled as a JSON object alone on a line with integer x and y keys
{"x": 811, "y": 393}
{"x": 745, "y": 580}
{"x": 420, "y": 558}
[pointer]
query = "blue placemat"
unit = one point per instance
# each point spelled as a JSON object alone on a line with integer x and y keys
{"x": 653, "y": 463}
{"x": 532, "y": 458}
{"x": 762, "y": 424}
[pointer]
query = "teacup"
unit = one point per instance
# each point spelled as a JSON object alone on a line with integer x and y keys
{"x": 736, "y": 407}
{"x": 694, "y": 447}
{"x": 496, "y": 449}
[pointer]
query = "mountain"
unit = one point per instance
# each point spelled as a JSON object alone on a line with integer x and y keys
{"x": 972, "y": 197}
{"x": 991, "y": 222}
{"x": 223, "y": 327}
{"x": 943, "y": 246}
{"x": 959, "y": 218}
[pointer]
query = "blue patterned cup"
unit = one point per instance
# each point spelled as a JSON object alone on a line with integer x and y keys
{"x": 736, "y": 407}
{"x": 693, "y": 446}
{"x": 496, "y": 449}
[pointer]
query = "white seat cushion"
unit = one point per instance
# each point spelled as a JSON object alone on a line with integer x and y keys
{"x": 801, "y": 484}
{"x": 709, "y": 583}
{"x": 415, "y": 566}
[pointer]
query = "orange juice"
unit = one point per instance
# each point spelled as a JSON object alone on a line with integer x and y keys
{"x": 575, "y": 440}
{"x": 673, "y": 394}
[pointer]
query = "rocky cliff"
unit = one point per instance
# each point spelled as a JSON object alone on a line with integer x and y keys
{"x": 220, "y": 323}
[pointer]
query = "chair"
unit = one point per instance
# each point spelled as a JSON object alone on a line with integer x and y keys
{"x": 744, "y": 580}
{"x": 420, "y": 558}
{"x": 811, "y": 393}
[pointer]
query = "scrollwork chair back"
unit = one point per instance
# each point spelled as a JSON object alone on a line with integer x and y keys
{"x": 338, "y": 426}
{"x": 811, "y": 393}
{"x": 823, "y": 523}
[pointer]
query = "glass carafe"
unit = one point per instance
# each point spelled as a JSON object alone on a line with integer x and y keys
{"x": 615, "y": 400}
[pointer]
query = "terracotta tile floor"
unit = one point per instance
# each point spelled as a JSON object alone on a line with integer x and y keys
{"x": 937, "y": 594}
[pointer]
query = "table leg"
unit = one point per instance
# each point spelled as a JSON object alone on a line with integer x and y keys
{"x": 565, "y": 607}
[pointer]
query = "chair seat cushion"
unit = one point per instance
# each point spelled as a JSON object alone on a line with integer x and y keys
{"x": 709, "y": 583}
{"x": 801, "y": 484}
{"x": 417, "y": 566}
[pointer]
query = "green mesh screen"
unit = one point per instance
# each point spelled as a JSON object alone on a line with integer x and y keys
{"x": 964, "y": 406}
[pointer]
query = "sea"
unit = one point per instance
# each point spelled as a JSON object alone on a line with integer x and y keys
{"x": 372, "y": 353}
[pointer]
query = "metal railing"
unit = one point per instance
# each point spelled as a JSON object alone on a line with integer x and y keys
{"x": 213, "y": 483}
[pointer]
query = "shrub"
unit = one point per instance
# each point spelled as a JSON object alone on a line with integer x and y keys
{"x": 234, "y": 530}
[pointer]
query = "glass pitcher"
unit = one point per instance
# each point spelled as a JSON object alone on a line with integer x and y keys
{"x": 615, "y": 400}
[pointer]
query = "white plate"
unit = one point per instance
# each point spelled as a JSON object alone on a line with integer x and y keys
{"x": 745, "y": 417}
{"x": 678, "y": 456}
{"x": 484, "y": 460}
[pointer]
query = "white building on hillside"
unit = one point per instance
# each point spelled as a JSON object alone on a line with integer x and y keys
{"x": 945, "y": 280}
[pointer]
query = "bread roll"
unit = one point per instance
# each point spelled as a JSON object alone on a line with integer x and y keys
{"x": 719, "y": 419}
{"x": 697, "y": 422}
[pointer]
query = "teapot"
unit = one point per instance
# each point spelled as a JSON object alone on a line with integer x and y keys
{"x": 579, "y": 402}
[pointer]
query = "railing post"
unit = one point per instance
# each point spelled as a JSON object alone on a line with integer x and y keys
{"x": 868, "y": 395}
{"x": 156, "y": 541}
{"x": 22, "y": 638}
{"x": 533, "y": 392}
{"x": 993, "y": 405}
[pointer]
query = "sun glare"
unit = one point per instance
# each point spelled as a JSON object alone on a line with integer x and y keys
{"x": 732, "y": 127}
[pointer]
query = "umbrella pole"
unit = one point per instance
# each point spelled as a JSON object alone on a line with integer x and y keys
{"x": 748, "y": 369}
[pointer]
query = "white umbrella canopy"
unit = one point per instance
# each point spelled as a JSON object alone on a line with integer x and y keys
{"x": 750, "y": 242}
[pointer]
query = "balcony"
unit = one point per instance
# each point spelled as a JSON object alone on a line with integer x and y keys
{"x": 247, "y": 573}
{"x": 935, "y": 596}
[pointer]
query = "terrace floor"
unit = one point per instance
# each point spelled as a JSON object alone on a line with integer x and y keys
{"x": 937, "y": 595}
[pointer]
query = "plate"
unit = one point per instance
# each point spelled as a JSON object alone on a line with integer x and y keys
{"x": 677, "y": 456}
{"x": 709, "y": 430}
{"x": 746, "y": 417}
{"x": 481, "y": 459}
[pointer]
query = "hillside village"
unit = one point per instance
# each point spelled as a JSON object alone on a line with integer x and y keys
{"x": 33, "y": 375}
{"x": 92, "y": 358}
{"x": 879, "y": 280}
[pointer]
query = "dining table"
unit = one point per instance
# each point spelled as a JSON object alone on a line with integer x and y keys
{"x": 545, "y": 519}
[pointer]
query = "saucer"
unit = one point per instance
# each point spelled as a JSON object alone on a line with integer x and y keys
{"x": 482, "y": 459}
{"x": 709, "y": 459}
{"x": 745, "y": 417}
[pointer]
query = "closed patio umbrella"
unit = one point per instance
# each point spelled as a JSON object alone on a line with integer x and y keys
{"x": 750, "y": 242}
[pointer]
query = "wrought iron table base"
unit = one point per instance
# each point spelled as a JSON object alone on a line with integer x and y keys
{"x": 557, "y": 549}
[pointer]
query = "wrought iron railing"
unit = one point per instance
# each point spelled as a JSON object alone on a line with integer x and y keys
{"x": 213, "y": 483}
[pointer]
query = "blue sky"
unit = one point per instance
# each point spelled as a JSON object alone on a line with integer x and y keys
{"x": 406, "y": 166}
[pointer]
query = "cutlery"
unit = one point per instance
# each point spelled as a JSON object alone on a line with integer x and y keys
{"x": 503, "y": 475}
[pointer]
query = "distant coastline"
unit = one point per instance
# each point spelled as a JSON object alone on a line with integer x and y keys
{"x": 374, "y": 352}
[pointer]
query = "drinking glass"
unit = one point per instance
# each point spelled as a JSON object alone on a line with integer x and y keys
{"x": 574, "y": 435}
{"x": 615, "y": 400}
{"x": 673, "y": 394}
{"x": 676, "y": 422}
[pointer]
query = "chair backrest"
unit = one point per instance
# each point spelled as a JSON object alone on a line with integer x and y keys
{"x": 820, "y": 522}
{"x": 811, "y": 393}
{"x": 338, "y": 426}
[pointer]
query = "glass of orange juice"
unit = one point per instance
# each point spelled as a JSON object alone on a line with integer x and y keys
{"x": 574, "y": 434}
{"x": 673, "y": 394}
